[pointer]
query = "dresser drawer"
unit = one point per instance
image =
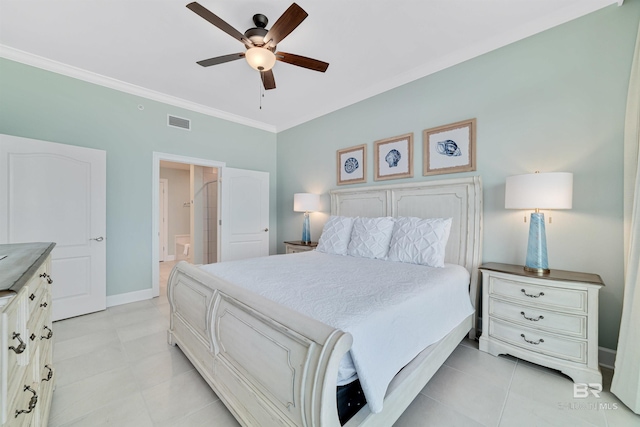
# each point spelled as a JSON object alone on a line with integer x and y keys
{"x": 539, "y": 295}
{"x": 534, "y": 317}
{"x": 539, "y": 341}
{"x": 37, "y": 288}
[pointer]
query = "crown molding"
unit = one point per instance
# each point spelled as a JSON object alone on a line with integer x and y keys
{"x": 98, "y": 79}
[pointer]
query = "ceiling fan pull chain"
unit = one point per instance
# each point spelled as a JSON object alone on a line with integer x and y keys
{"x": 261, "y": 95}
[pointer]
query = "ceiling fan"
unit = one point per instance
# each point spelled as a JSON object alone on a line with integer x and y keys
{"x": 261, "y": 43}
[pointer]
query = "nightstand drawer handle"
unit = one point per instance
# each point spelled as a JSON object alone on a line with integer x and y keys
{"x": 531, "y": 342}
{"x": 531, "y": 318}
{"x": 531, "y": 295}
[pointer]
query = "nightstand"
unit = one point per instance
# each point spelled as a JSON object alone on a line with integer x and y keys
{"x": 551, "y": 320}
{"x": 298, "y": 246}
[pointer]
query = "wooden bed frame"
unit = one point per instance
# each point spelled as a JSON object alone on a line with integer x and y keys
{"x": 272, "y": 366}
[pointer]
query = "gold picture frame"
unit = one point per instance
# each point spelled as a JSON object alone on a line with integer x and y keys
{"x": 351, "y": 165}
{"x": 393, "y": 157}
{"x": 450, "y": 148}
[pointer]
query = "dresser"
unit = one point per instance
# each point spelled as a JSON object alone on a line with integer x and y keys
{"x": 299, "y": 246}
{"x": 551, "y": 320}
{"x": 26, "y": 368}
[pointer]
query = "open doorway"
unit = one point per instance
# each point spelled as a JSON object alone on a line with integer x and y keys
{"x": 188, "y": 228}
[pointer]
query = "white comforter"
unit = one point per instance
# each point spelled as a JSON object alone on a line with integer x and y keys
{"x": 393, "y": 310}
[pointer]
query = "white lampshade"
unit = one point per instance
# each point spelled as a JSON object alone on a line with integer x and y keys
{"x": 539, "y": 191}
{"x": 260, "y": 59}
{"x": 306, "y": 202}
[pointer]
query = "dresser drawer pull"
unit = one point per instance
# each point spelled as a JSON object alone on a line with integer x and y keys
{"x": 44, "y": 304}
{"x": 48, "y": 336}
{"x": 531, "y": 342}
{"x": 531, "y": 295}
{"x": 21, "y": 347}
{"x": 32, "y": 402}
{"x": 32, "y": 297}
{"x": 531, "y": 318}
{"x": 49, "y": 375}
{"x": 49, "y": 279}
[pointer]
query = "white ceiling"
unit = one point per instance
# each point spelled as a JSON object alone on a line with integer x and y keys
{"x": 150, "y": 47}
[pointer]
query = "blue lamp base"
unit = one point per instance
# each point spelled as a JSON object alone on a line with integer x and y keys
{"x": 537, "y": 260}
{"x": 306, "y": 230}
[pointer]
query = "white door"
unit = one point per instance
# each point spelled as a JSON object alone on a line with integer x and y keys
{"x": 163, "y": 220}
{"x": 57, "y": 193}
{"x": 244, "y": 214}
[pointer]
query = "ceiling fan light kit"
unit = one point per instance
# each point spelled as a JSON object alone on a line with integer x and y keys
{"x": 261, "y": 43}
{"x": 260, "y": 59}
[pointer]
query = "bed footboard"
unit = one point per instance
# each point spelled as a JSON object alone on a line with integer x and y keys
{"x": 269, "y": 364}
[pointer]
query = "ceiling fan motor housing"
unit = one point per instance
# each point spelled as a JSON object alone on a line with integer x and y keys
{"x": 256, "y": 35}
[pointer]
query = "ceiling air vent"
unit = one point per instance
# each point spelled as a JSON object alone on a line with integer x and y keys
{"x": 178, "y": 122}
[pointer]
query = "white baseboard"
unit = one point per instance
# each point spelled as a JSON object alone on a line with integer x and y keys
{"x": 129, "y": 297}
{"x": 606, "y": 357}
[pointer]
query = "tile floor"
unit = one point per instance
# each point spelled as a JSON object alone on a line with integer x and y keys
{"x": 115, "y": 368}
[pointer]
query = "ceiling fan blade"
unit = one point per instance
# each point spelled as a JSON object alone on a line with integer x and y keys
{"x": 268, "y": 81}
{"x": 220, "y": 59}
{"x": 302, "y": 61}
{"x": 218, "y": 22}
{"x": 288, "y": 22}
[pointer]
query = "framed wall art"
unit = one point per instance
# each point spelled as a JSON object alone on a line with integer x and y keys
{"x": 450, "y": 148}
{"x": 393, "y": 157}
{"x": 352, "y": 165}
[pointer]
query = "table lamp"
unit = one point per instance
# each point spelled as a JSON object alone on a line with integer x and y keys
{"x": 537, "y": 191}
{"x": 306, "y": 202}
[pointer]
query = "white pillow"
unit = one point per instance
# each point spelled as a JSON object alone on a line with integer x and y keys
{"x": 370, "y": 237}
{"x": 420, "y": 241}
{"x": 336, "y": 235}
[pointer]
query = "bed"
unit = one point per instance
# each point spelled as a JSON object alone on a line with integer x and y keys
{"x": 272, "y": 365}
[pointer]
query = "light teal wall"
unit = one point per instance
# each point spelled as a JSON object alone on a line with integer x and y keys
{"x": 42, "y": 105}
{"x": 552, "y": 102}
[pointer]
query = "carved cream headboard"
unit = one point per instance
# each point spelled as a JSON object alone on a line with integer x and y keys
{"x": 460, "y": 199}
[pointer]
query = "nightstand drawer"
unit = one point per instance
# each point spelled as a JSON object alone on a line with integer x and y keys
{"x": 299, "y": 246}
{"x": 535, "y": 317}
{"x": 539, "y": 341}
{"x": 552, "y": 297}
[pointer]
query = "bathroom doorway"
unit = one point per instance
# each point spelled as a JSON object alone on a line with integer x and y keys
{"x": 190, "y": 229}
{"x": 188, "y": 197}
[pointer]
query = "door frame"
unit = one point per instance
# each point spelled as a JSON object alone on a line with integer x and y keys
{"x": 155, "y": 206}
{"x": 164, "y": 228}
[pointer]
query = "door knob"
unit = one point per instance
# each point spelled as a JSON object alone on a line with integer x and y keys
{"x": 97, "y": 239}
{"x": 266, "y": 229}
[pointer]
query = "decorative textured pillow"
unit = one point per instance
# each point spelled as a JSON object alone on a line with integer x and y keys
{"x": 420, "y": 241}
{"x": 336, "y": 235}
{"x": 370, "y": 237}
